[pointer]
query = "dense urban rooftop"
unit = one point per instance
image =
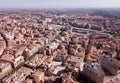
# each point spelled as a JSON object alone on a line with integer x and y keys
{"x": 55, "y": 47}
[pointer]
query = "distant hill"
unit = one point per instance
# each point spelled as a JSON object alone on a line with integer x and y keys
{"x": 106, "y": 12}
{"x": 112, "y": 13}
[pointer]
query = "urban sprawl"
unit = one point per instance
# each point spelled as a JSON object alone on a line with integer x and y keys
{"x": 59, "y": 48}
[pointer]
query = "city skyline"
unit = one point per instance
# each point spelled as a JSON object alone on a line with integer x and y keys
{"x": 59, "y": 4}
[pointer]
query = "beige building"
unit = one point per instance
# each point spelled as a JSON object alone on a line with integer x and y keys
{"x": 38, "y": 76}
{"x": 5, "y": 68}
{"x": 15, "y": 61}
{"x": 18, "y": 76}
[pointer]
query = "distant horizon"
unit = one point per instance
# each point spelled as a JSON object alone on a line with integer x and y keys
{"x": 57, "y": 4}
{"x": 65, "y": 8}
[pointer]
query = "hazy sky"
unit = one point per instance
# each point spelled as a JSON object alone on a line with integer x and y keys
{"x": 58, "y": 3}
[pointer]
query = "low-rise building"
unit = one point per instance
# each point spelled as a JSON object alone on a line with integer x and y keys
{"x": 5, "y": 68}
{"x": 15, "y": 61}
{"x": 18, "y": 76}
{"x": 111, "y": 65}
{"x": 38, "y": 76}
{"x": 94, "y": 72}
{"x": 36, "y": 61}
